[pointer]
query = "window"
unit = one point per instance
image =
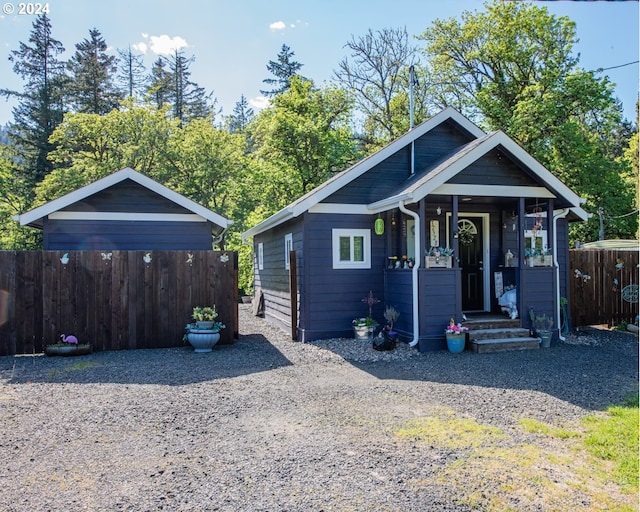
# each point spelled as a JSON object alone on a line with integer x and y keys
{"x": 260, "y": 256}
{"x": 288, "y": 247}
{"x": 351, "y": 248}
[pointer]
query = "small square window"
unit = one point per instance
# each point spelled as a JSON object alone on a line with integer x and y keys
{"x": 351, "y": 248}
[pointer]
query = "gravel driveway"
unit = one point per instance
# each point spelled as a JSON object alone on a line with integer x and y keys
{"x": 271, "y": 425}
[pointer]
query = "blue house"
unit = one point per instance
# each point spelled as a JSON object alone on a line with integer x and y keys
{"x": 387, "y": 223}
{"x": 125, "y": 211}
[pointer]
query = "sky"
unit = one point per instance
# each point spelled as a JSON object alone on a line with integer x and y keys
{"x": 233, "y": 40}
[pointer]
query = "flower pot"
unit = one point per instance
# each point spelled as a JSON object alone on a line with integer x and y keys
{"x": 68, "y": 349}
{"x": 363, "y": 332}
{"x": 203, "y": 340}
{"x": 456, "y": 342}
{"x": 205, "y": 324}
{"x": 545, "y": 338}
{"x": 439, "y": 262}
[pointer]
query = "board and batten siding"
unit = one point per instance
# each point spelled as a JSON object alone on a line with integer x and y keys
{"x": 332, "y": 298}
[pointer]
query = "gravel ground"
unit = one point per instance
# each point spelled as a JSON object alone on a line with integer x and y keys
{"x": 271, "y": 425}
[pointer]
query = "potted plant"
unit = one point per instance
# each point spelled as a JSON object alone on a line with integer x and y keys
{"x": 456, "y": 335}
{"x": 387, "y": 338}
{"x": 68, "y": 346}
{"x": 204, "y": 333}
{"x": 542, "y": 326}
{"x": 438, "y": 257}
{"x": 363, "y": 328}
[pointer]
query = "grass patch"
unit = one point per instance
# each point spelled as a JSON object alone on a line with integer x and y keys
{"x": 614, "y": 437}
{"x": 448, "y": 431}
{"x": 537, "y": 427}
{"x": 78, "y": 366}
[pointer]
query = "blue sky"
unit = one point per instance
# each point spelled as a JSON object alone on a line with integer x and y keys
{"x": 232, "y": 41}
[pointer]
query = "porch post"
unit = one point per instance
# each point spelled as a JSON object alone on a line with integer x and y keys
{"x": 454, "y": 230}
{"x": 521, "y": 227}
{"x": 550, "y": 234}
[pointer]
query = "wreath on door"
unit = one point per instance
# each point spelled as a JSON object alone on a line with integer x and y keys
{"x": 467, "y": 230}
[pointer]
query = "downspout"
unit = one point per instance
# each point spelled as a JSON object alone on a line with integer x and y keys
{"x": 414, "y": 273}
{"x": 561, "y": 215}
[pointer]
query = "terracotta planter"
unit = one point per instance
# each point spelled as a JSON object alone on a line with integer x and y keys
{"x": 456, "y": 342}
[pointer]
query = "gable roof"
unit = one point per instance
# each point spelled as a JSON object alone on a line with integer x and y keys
{"x": 336, "y": 182}
{"x": 34, "y": 218}
{"x": 435, "y": 179}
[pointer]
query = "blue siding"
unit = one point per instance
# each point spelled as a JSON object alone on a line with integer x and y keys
{"x": 126, "y": 235}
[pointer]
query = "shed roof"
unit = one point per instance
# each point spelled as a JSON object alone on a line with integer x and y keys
{"x": 35, "y": 218}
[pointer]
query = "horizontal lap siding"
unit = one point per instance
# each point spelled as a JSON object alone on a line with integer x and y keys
{"x": 127, "y": 235}
{"x": 398, "y": 290}
{"x": 494, "y": 168}
{"x": 439, "y": 302}
{"x": 538, "y": 292}
{"x": 333, "y": 297}
{"x": 385, "y": 178}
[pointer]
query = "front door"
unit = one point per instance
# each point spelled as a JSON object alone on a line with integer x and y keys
{"x": 471, "y": 261}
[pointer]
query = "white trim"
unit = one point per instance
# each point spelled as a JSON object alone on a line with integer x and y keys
{"x": 288, "y": 247}
{"x": 35, "y": 216}
{"x": 260, "y": 256}
{"x": 493, "y": 191}
{"x": 337, "y": 234}
{"x": 347, "y": 209}
{"x": 128, "y": 216}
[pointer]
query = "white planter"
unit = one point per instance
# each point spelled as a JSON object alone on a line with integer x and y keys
{"x": 363, "y": 332}
{"x": 203, "y": 340}
{"x": 439, "y": 262}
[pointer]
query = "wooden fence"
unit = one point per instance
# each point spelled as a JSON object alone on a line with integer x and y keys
{"x": 603, "y": 286}
{"x": 115, "y": 300}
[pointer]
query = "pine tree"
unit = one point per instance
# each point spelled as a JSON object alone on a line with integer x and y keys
{"x": 40, "y": 108}
{"x": 284, "y": 69}
{"x": 159, "y": 83}
{"x": 91, "y": 87}
{"x": 131, "y": 73}
{"x": 241, "y": 117}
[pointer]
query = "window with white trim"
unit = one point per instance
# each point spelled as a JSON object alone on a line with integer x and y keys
{"x": 260, "y": 256}
{"x": 351, "y": 248}
{"x": 288, "y": 247}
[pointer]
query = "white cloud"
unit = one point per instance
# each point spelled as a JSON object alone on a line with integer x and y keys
{"x": 141, "y": 47}
{"x": 278, "y": 25}
{"x": 165, "y": 45}
{"x": 259, "y": 102}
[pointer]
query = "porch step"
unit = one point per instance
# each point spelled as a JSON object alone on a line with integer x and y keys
{"x": 498, "y": 335}
{"x": 503, "y": 344}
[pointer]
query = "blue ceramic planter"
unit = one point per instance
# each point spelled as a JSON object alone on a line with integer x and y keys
{"x": 456, "y": 342}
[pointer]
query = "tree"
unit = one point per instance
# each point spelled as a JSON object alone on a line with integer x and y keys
{"x": 512, "y": 68}
{"x": 377, "y": 71}
{"x": 170, "y": 85}
{"x": 242, "y": 116}
{"x": 131, "y": 73}
{"x": 40, "y": 107}
{"x": 304, "y": 138}
{"x": 91, "y": 88}
{"x": 283, "y": 69}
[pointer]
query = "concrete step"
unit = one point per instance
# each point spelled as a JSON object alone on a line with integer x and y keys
{"x": 498, "y": 333}
{"x": 485, "y": 346}
{"x": 491, "y": 323}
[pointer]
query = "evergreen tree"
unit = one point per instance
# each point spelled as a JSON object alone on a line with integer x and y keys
{"x": 283, "y": 70}
{"x": 91, "y": 87}
{"x": 131, "y": 73}
{"x": 40, "y": 107}
{"x": 241, "y": 117}
{"x": 159, "y": 83}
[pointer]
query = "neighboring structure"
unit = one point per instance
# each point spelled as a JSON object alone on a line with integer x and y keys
{"x": 125, "y": 211}
{"x": 446, "y": 183}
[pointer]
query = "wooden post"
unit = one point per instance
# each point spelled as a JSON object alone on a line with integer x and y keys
{"x": 293, "y": 294}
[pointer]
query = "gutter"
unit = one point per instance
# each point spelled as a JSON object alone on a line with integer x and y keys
{"x": 561, "y": 215}
{"x": 414, "y": 274}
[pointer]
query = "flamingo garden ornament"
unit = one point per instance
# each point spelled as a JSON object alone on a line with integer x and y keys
{"x": 69, "y": 339}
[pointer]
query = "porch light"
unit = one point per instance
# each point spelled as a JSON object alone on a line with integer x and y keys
{"x": 439, "y": 210}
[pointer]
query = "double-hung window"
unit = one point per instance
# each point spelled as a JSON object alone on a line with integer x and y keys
{"x": 351, "y": 248}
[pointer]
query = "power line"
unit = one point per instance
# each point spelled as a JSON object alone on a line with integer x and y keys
{"x": 615, "y": 67}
